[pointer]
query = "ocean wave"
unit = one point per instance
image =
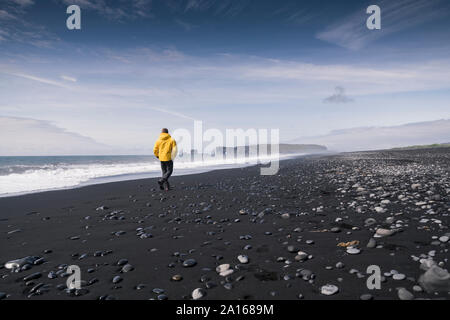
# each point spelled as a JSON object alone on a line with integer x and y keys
{"x": 60, "y": 176}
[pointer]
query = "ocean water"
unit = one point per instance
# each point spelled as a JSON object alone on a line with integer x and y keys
{"x": 21, "y": 175}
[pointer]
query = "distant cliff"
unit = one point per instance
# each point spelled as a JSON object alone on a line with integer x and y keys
{"x": 284, "y": 148}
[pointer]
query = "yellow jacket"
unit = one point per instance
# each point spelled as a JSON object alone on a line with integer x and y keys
{"x": 165, "y": 147}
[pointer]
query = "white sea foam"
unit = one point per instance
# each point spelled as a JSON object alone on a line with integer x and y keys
{"x": 50, "y": 177}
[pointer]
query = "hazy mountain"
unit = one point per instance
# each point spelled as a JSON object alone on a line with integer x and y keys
{"x": 25, "y": 136}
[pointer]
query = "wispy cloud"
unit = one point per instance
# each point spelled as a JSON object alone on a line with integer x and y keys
{"x": 172, "y": 88}
{"x": 405, "y": 77}
{"x": 185, "y": 25}
{"x": 169, "y": 73}
{"x": 23, "y": 3}
{"x": 5, "y": 15}
{"x": 122, "y": 10}
{"x": 14, "y": 27}
{"x": 352, "y": 33}
{"x": 39, "y": 79}
{"x": 145, "y": 55}
{"x": 292, "y": 14}
{"x": 215, "y": 7}
{"x": 172, "y": 113}
{"x": 68, "y": 78}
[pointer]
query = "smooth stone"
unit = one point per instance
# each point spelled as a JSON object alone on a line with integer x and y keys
{"x": 399, "y": 276}
{"x": 18, "y": 263}
{"x": 372, "y": 243}
{"x": 384, "y": 232}
{"x": 210, "y": 285}
{"x": 417, "y": 288}
{"x": 329, "y": 289}
{"x": 443, "y": 239}
{"x": 380, "y": 209}
{"x": 404, "y": 294}
{"x": 122, "y": 262}
{"x": 189, "y": 263}
{"x": 177, "y": 277}
{"x": 226, "y": 272}
{"x": 33, "y": 276}
{"x": 366, "y": 297}
{"x": 306, "y": 273}
{"x": 117, "y": 279}
{"x": 127, "y": 268}
{"x": 158, "y": 290}
{"x": 228, "y": 286}
{"x": 351, "y": 250}
{"x": 198, "y": 293}
{"x": 223, "y": 267}
{"x": 435, "y": 279}
{"x": 243, "y": 259}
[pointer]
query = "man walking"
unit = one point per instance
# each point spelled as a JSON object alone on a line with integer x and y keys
{"x": 165, "y": 150}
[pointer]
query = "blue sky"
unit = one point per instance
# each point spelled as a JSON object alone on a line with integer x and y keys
{"x": 305, "y": 67}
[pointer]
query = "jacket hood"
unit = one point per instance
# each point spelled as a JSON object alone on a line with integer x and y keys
{"x": 164, "y": 136}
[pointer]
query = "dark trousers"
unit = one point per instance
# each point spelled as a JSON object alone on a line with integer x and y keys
{"x": 167, "y": 169}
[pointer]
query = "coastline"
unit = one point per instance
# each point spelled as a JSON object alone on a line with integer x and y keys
{"x": 214, "y": 217}
{"x": 184, "y": 168}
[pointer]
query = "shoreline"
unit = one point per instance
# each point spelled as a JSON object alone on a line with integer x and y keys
{"x": 207, "y": 167}
{"x": 151, "y": 181}
{"x": 211, "y": 218}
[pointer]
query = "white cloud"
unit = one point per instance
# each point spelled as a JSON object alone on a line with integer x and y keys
{"x": 67, "y": 78}
{"x": 155, "y": 87}
{"x": 169, "y": 77}
{"x": 363, "y": 80}
{"x": 372, "y": 138}
{"x": 24, "y": 136}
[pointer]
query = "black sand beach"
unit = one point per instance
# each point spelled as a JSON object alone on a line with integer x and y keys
{"x": 312, "y": 205}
